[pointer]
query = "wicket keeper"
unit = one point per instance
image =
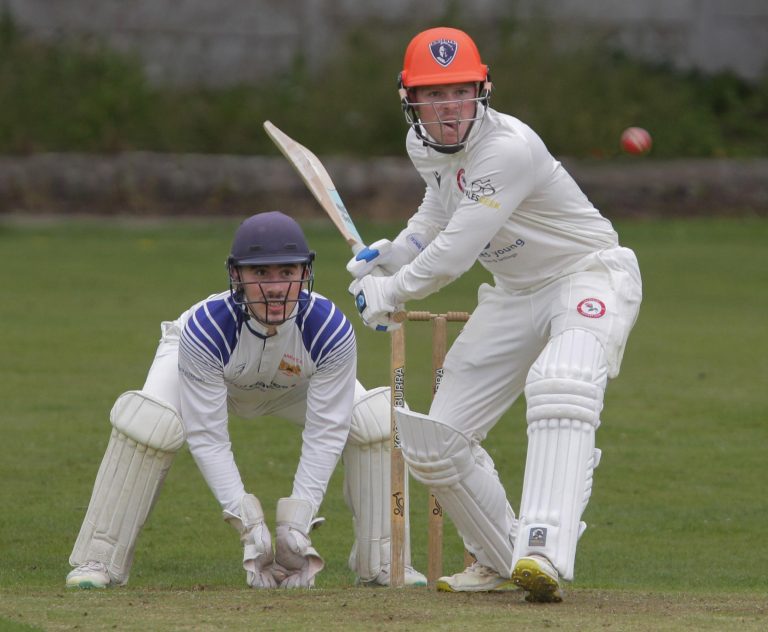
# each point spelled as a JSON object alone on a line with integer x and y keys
{"x": 269, "y": 345}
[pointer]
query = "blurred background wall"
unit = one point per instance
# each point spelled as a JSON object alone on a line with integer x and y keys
{"x": 177, "y": 127}
{"x": 222, "y": 42}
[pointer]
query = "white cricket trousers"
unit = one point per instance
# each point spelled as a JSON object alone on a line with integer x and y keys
{"x": 487, "y": 366}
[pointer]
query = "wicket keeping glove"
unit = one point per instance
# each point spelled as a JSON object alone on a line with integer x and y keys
{"x": 296, "y": 560}
{"x": 257, "y": 543}
{"x": 373, "y": 302}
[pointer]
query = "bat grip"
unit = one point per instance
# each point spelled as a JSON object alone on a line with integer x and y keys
{"x": 398, "y": 317}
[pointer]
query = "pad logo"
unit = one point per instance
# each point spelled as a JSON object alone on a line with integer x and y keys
{"x": 443, "y": 51}
{"x": 537, "y": 536}
{"x": 591, "y": 308}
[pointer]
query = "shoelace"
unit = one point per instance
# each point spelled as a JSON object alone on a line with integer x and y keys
{"x": 92, "y": 566}
{"x": 478, "y": 569}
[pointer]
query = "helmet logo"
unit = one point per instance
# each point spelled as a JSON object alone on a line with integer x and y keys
{"x": 443, "y": 51}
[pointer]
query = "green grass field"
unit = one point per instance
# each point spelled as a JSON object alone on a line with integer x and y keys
{"x": 678, "y": 516}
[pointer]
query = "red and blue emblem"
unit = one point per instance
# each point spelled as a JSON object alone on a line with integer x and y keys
{"x": 591, "y": 308}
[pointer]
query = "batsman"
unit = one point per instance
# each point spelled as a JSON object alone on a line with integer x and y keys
{"x": 269, "y": 345}
{"x": 552, "y": 324}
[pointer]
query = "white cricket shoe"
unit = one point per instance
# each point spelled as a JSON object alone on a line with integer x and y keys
{"x": 412, "y": 578}
{"x": 475, "y": 578}
{"x": 89, "y": 575}
{"x": 539, "y": 578}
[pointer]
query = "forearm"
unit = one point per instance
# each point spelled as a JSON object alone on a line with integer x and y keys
{"x": 216, "y": 463}
{"x": 449, "y": 255}
{"x": 329, "y": 414}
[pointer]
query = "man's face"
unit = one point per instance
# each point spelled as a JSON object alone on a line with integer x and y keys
{"x": 271, "y": 291}
{"x": 445, "y": 111}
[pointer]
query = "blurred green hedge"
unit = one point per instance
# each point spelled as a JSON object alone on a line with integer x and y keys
{"x": 65, "y": 97}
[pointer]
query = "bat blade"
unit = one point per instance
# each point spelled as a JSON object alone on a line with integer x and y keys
{"x": 318, "y": 181}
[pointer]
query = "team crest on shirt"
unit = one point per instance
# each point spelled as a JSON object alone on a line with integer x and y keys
{"x": 591, "y": 308}
{"x": 443, "y": 51}
{"x": 288, "y": 368}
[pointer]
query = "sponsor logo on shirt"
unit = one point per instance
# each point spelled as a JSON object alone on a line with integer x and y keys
{"x": 479, "y": 190}
{"x": 501, "y": 253}
{"x": 415, "y": 241}
{"x": 264, "y": 387}
{"x": 591, "y": 308}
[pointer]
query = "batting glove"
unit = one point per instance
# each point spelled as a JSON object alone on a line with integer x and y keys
{"x": 257, "y": 543}
{"x": 373, "y": 303}
{"x": 378, "y": 258}
{"x": 384, "y": 257}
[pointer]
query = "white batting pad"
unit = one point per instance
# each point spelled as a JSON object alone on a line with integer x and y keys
{"x": 468, "y": 489}
{"x": 564, "y": 391}
{"x": 145, "y": 436}
{"x": 367, "y": 466}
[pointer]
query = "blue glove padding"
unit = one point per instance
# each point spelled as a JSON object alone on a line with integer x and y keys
{"x": 382, "y": 258}
{"x": 373, "y": 303}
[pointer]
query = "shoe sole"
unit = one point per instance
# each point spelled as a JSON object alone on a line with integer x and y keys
{"x": 541, "y": 587}
{"x": 502, "y": 586}
{"x": 85, "y": 584}
{"x": 375, "y": 584}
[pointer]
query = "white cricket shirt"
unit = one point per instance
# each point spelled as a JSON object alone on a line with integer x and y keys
{"x": 307, "y": 369}
{"x": 503, "y": 201}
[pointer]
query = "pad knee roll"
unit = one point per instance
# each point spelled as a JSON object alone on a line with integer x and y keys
{"x": 371, "y": 417}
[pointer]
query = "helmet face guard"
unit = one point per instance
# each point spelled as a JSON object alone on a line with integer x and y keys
{"x": 281, "y": 300}
{"x": 443, "y": 56}
{"x": 270, "y": 239}
{"x": 434, "y": 137}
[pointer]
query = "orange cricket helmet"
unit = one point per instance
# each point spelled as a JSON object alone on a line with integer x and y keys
{"x": 442, "y": 55}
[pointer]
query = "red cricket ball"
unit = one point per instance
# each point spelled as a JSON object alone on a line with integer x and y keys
{"x": 636, "y": 140}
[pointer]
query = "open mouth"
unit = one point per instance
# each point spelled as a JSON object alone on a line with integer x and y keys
{"x": 450, "y": 129}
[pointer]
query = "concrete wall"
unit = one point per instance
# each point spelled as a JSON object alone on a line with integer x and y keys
{"x": 141, "y": 183}
{"x": 220, "y": 42}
